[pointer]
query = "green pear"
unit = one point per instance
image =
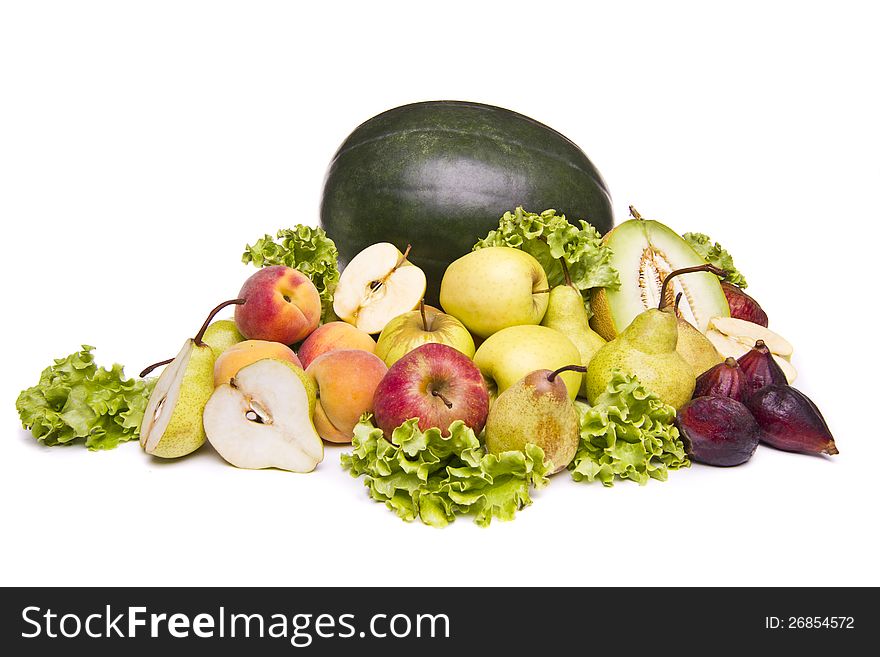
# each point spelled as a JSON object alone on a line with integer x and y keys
{"x": 536, "y": 409}
{"x": 646, "y": 349}
{"x": 567, "y": 314}
{"x": 696, "y": 348}
{"x": 507, "y": 356}
{"x": 172, "y": 425}
{"x": 221, "y": 335}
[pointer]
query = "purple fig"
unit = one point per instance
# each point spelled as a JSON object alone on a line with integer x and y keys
{"x": 760, "y": 369}
{"x": 787, "y": 419}
{"x": 742, "y": 306}
{"x": 717, "y": 430}
{"x": 724, "y": 380}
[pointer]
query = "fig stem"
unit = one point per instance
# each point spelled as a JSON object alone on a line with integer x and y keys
{"x": 565, "y": 272}
{"x": 150, "y": 368}
{"x": 211, "y": 315}
{"x": 422, "y": 311}
{"x": 442, "y": 398}
{"x": 686, "y": 270}
{"x": 568, "y": 368}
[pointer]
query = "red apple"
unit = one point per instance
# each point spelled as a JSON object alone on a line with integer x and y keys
{"x": 435, "y": 383}
{"x": 281, "y": 305}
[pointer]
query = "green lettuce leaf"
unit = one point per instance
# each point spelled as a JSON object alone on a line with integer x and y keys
{"x": 550, "y": 238}
{"x": 628, "y": 434}
{"x": 421, "y": 474}
{"x": 74, "y": 399}
{"x": 715, "y": 254}
{"x": 306, "y": 249}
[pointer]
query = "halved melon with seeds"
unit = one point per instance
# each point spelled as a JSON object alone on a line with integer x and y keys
{"x": 644, "y": 252}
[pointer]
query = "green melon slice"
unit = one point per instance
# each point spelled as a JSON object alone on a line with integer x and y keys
{"x": 644, "y": 253}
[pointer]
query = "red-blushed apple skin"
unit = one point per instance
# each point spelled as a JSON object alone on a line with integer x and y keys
{"x": 268, "y": 315}
{"x": 346, "y": 381}
{"x": 334, "y": 336}
{"x": 406, "y": 391}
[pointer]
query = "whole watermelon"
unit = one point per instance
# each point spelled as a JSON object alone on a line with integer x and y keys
{"x": 438, "y": 175}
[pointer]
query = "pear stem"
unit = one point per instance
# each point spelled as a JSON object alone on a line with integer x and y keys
{"x": 565, "y": 272}
{"x": 150, "y": 368}
{"x": 199, "y": 335}
{"x": 211, "y": 315}
{"x": 422, "y": 311}
{"x": 568, "y": 368}
{"x": 634, "y": 213}
{"x": 677, "y": 301}
{"x": 686, "y": 270}
{"x": 442, "y": 398}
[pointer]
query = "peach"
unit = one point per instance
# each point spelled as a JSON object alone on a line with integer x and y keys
{"x": 250, "y": 351}
{"x": 346, "y": 380}
{"x": 333, "y": 336}
{"x": 281, "y": 305}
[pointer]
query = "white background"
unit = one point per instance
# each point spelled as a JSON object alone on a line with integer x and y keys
{"x": 143, "y": 144}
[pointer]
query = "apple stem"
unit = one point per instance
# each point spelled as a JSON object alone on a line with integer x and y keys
{"x": 211, "y": 315}
{"x": 443, "y": 399}
{"x": 565, "y": 272}
{"x": 686, "y": 270}
{"x": 150, "y": 368}
{"x": 422, "y": 311}
{"x": 403, "y": 257}
{"x": 568, "y": 368}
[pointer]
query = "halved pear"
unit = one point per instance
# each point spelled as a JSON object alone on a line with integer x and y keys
{"x": 262, "y": 418}
{"x": 644, "y": 252}
{"x": 172, "y": 424}
{"x": 378, "y": 285}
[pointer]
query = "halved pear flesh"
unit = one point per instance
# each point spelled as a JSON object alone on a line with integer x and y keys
{"x": 263, "y": 419}
{"x": 172, "y": 424}
{"x": 377, "y": 285}
{"x": 644, "y": 253}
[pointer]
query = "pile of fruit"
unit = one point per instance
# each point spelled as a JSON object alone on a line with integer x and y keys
{"x": 621, "y": 356}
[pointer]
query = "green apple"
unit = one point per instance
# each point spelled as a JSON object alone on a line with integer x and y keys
{"x": 413, "y": 329}
{"x": 221, "y": 335}
{"x": 507, "y": 356}
{"x": 494, "y": 288}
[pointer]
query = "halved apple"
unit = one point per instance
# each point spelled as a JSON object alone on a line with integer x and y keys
{"x": 262, "y": 418}
{"x": 378, "y": 285}
{"x": 735, "y": 337}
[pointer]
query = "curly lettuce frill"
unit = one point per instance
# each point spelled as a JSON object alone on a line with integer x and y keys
{"x": 714, "y": 254}
{"x": 628, "y": 434}
{"x": 421, "y": 474}
{"x": 74, "y": 399}
{"x": 550, "y": 238}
